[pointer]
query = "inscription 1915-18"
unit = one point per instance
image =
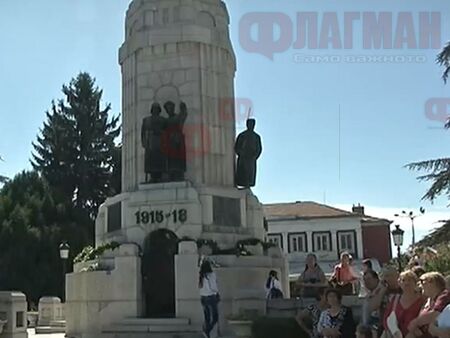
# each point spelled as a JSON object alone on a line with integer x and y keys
{"x": 158, "y": 216}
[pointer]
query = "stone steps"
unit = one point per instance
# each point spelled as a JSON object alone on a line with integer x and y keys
{"x": 151, "y": 335}
{"x": 50, "y": 329}
{"x": 151, "y": 328}
{"x": 155, "y": 321}
{"x": 154, "y": 328}
{"x": 58, "y": 323}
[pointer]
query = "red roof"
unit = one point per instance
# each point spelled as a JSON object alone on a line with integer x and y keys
{"x": 311, "y": 210}
{"x": 303, "y": 210}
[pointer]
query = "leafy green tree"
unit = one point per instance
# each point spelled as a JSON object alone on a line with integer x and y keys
{"x": 441, "y": 262}
{"x": 439, "y": 236}
{"x": 76, "y": 151}
{"x": 77, "y": 165}
{"x": 30, "y": 232}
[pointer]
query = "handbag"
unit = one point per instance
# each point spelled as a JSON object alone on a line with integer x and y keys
{"x": 217, "y": 295}
{"x": 392, "y": 322}
{"x": 275, "y": 293}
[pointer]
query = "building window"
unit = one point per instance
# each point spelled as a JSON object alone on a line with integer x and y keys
{"x": 297, "y": 242}
{"x": 276, "y": 239}
{"x": 322, "y": 241}
{"x": 347, "y": 241}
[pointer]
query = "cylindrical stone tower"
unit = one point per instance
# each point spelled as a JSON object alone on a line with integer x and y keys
{"x": 180, "y": 50}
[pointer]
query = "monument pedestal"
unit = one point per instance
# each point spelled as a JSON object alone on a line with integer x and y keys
{"x": 108, "y": 303}
{"x": 173, "y": 52}
{"x": 97, "y": 300}
{"x": 224, "y": 215}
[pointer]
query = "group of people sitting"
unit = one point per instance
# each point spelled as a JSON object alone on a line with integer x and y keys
{"x": 344, "y": 277}
{"x": 408, "y": 305}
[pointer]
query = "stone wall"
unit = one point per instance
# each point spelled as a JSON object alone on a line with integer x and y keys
{"x": 173, "y": 197}
{"x": 13, "y": 314}
{"x": 95, "y": 299}
{"x": 241, "y": 282}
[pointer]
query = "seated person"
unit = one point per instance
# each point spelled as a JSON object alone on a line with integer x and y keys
{"x": 372, "y": 301}
{"x": 312, "y": 278}
{"x": 364, "y": 331}
{"x": 336, "y": 321}
{"x": 273, "y": 286}
{"x": 344, "y": 276}
{"x": 406, "y": 306}
{"x": 433, "y": 285}
{"x": 366, "y": 266}
{"x": 441, "y": 328}
{"x": 309, "y": 317}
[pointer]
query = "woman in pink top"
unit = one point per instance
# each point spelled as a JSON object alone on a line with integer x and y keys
{"x": 344, "y": 276}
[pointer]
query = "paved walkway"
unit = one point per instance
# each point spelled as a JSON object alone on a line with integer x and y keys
{"x": 31, "y": 334}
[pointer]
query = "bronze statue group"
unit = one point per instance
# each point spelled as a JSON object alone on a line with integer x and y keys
{"x": 164, "y": 143}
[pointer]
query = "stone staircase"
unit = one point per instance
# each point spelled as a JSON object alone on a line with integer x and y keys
{"x": 55, "y": 326}
{"x": 153, "y": 328}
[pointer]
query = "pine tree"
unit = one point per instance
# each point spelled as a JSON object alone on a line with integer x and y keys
{"x": 443, "y": 60}
{"x": 76, "y": 152}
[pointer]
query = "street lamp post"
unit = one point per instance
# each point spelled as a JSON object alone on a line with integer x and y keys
{"x": 64, "y": 250}
{"x": 412, "y": 217}
{"x": 397, "y": 234}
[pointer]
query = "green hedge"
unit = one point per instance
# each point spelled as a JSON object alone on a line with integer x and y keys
{"x": 90, "y": 253}
{"x": 277, "y": 328}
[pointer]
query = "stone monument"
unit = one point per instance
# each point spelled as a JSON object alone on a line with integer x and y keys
{"x": 248, "y": 149}
{"x": 178, "y": 181}
{"x": 13, "y": 314}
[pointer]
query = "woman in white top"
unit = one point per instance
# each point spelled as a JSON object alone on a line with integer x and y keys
{"x": 273, "y": 286}
{"x": 209, "y": 295}
{"x": 441, "y": 328}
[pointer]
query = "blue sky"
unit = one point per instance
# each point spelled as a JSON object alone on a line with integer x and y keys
{"x": 383, "y": 123}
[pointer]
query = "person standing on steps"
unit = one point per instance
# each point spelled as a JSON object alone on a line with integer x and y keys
{"x": 209, "y": 295}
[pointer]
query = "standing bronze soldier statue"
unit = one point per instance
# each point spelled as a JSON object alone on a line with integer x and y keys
{"x": 174, "y": 141}
{"x": 152, "y": 130}
{"x": 248, "y": 148}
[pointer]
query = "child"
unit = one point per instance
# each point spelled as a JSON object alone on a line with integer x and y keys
{"x": 273, "y": 286}
{"x": 363, "y": 331}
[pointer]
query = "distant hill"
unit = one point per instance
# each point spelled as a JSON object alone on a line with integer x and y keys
{"x": 439, "y": 236}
